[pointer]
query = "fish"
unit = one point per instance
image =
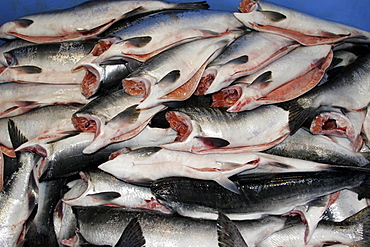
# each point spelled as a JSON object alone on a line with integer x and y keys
{"x": 180, "y": 231}
{"x": 49, "y": 63}
{"x": 83, "y": 21}
{"x": 144, "y": 165}
{"x": 61, "y": 156}
{"x": 113, "y": 117}
{"x": 350, "y": 232}
{"x": 174, "y": 74}
{"x": 354, "y": 80}
{"x": 284, "y": 79}
{"x": 153, "y": 34}
{"x": 41, "y": 123}
{"x": 16, "y": 198}
{"x": 210, "y": 129}
{"x": 65, "y": 222}
{"x": 318, "y": 148}
{"x": 102, "y": 189}
{"x": 305, "y": 29}
{"x": 19, "y": 98}
{"x": 203, "y": 199}
{"x": 101, "y": 78}
{"x": 243, "y": 57}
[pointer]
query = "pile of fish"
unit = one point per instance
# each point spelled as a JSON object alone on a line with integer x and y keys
{"x": 132, "y": 123}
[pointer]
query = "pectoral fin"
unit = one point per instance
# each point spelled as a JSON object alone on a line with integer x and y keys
{"x": 105, "y": 196}
{"x": 28, "y": 69}
{"x": 239, "y": 60}
{"x": 226, "y": 183}
{"x": 171, "y": 77}
{"x": 213, "y": 142}
{"x": 264, "y": 79}
{"x": 273, "y": 16}
{"x": 139, "y": 41}
{"x": 23, "y": 22}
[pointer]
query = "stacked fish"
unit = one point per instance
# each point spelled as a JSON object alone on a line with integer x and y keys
{"x": 170, "y": 124}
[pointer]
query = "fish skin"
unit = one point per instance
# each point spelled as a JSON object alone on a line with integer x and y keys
{"x": 37, "y": 28}
{"x": 49, "y": 63}
{"x": 352, "y": 231}
{"x": 306, "y": 29}
{"x": 61, "y": 156}
{"x": 318, "y": 148}
{"x": 225, "y": 71}
{"x": 42, "y": 123}
{"x": 164, "y": 30}
{"x": 17, "y": 200}
{"x": 180, "y": 231}
{"x": 202, "y": 135}
{"x": 255, "y": 197}
{"x": 161, "y": 75}
{"x": 20, "y": 98}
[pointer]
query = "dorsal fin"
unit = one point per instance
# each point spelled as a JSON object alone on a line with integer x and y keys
{"x": 132, "y": 235}
{"x": 16, "y": 137}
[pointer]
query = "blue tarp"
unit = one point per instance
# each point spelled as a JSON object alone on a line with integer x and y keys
{"x": 351, "y": 12}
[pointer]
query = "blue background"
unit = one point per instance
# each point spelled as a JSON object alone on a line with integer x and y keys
{"x": 351, "y": 12}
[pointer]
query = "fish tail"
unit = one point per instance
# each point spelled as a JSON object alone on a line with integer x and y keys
{"x": 193, "y": 5}
{"x": 362, "y": 220}
{"x": 228, "y": 233}
{"x": 297, "y": 114}
{"x": 132, "y": 235}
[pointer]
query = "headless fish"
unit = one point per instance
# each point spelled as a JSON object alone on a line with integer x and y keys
{"x": 82, "y": 21}
{"x": 20, "y": 98}
{"x": 180, "y": 231}
{"x": 246, "y": 55}
{"x": 212, "y": 130}
{"x": 153, "y": 34}
{"x": 46, "y": 63}
{"x": 174, "y": 74}
{"x": 284, "y": 79}
{"x": 304, "y": 28}
{"x": 145, "y": 165}
{"x": 203, "y": 199}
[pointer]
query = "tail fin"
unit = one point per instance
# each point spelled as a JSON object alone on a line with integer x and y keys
{"x": 297, "y": 114}
{"x": 361, "y": 219}
{"x": 132, "y": 235}
{"x": 228, "y": 233}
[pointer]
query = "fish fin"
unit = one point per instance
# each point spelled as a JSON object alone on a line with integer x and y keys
{"x": 28, "y": 69}
{"x": 213, "y": 142}
{"x": 228, "y": 165}
{"x": 280, "y": 165}
{"x": 239, "y": 60}
{"x": 68, "y": 134}
{"x": 264, "y": 79}
{"x": 139, "y": 41}
{"x": 23, "y": 22}
{"x": 130, "y": 114}
{"x": 132, "y": 235}
{"x": 227, "y": 183}
{"x": 228, "y": 234}
{"x": 318, "y": 202}
{"x": 171, "y": 77}
{"x": 193, "y": 5}
{"x": 273, "y": 16}
{"x": 362, "y": 219}
{"x": 297, "y": 114}
{"x": 16, "y": 137}
{"x": 105, "y": 196}
{"x": 132, "y": 12}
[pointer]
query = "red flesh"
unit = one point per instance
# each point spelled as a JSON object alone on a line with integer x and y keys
{"x": 225, "y": 98}
{"x": 84, "y": 124}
